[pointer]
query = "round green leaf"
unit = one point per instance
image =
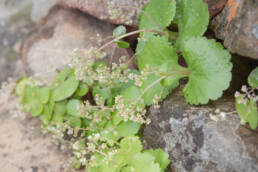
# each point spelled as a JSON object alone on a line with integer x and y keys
{"x": 82, "y": 90}
{"x": 210, "y": 68}
{"x": 118, "y": 31}
{"x": 74, "y": 122}
{"x": 161, "y": 157}
{"x": 73, "y": 107}
{"x": 66, "y": 89}
{"x": 20, "y": 87}
{"x": 253, "y": 78}
{"x": 31, "y": 102}
{"x": 43, "y": 94}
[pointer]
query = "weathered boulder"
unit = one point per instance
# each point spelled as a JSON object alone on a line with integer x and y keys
{"x": 237, "y": 25}
{"x": 123, "y": 11}
{"x": 196, "y": 143}
{"x": 17, "y": 17}
{"x": 58, "y": 34}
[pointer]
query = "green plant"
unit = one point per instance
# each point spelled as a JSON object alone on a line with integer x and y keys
{"x": 246, "y": 102}
{"x": 104, "y": 129}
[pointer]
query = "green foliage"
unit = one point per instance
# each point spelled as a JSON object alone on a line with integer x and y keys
{"x": 208, "y": 64}
{"x": 157, "y": 15}
{"x": 122, "y": 44}
{"x": 253, "y": 78}
{"x": 104, "y": 125}
{"x": 246, "y": 102}
{"x": 247, "y": 110}
{"x": 192, "y": 17}
{"x": 130, "y": 156}
{"x": 210, "y": 70}
{"x": 119, "y": 31}
{"x": 66, "y": 89}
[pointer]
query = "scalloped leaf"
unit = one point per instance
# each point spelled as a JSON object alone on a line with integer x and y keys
{"x": 161, "y": 157}
{"x": 253, "y": 78}
{"x": 192, "y": 17}
{"x": 156, "y": 52}
{"x": 144, "y": 162}
{"x": 210, "y": 68}
{"x": 158, "y": 14}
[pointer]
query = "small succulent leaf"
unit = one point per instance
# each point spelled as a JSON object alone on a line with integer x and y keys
{"x": 74, "y": 122}
{"x": 20, "y": 87}
{"x": 253, "y": 78}
{"x": 161, "y": 157}
{"x": 66, "y": 89}
{"x": 82, "y": 90}
{"x": 73, "y": 106}
{"x": 46, "y": 115}
{"x": 31, "y": 102}
{"x": 119, "y": 31}
{"x": 122, "y": 44}
{"x": 157, "y": 15}
{"x": 59, "y": 111}
{"x": 210, "y": 68}
{"x": 192, "y": 18}
{"x": 43, "y": 94}
{"x": 247, "y": 111}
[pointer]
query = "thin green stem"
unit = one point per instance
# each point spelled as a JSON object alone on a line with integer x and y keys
{"x": 129, "y": 34}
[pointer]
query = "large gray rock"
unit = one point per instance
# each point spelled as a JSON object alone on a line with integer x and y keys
{"x": 58, "y": 34}
{"x": 237, "y": 26}
{"x": 17, "y": 18}
{"x": 196, "y": 143}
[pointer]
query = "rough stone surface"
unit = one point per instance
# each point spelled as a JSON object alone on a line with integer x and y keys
{"x": 196, "y": 143}
{"x": 237, "y": 25}
{"x": 215, "y": 6}
{"x": 58, "y": 34}
{"x": 17, "y": 17}
{"x": 100, "y": 9}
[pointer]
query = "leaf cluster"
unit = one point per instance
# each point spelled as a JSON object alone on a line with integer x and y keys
{"x": 208, "y": 63}
{"x": 246, "y": 102}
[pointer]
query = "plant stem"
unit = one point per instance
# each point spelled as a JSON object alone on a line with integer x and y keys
{"x": 128, "y": 34}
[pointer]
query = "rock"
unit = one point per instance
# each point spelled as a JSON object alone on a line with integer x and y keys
{"x": 237, "y": 26}
{"x": 215, "y": 6}
{"x": 58, "y": 34}
{"x": 16, "y": 19}
{"x": 40, "y": 9}
{"x": 196, "y": 143}
{"x": 126, "y": 10}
